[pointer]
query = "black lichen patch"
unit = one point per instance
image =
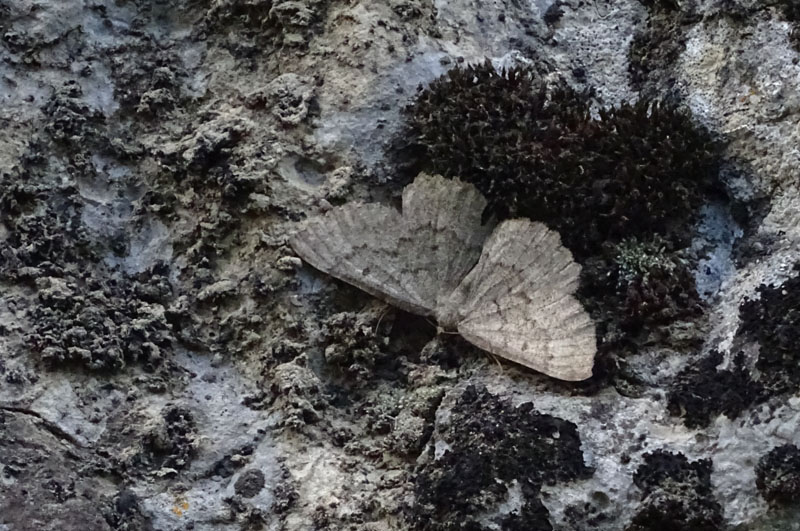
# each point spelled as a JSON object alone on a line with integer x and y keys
{"x": 535, "y": 151}
{"x": 207, "y": 161}
{"x": 702, "y": 392}
{"x": 295, "y": 391}
{"x": 41, "y": 215}
{"x": 492, "y": 448}
{"x": 174, "y": 444}
{"x": 44, "y": 231}
{"x": 82, "y": 313}
{"x": 553, "y": 13}
{"x": 148, "y": 92}
{"x": 778, "y": 475}
{"x": 665, "y": 5}
{"x": 773, "y": 320}
{"x": 790, "y": 9}
{"x": 677, "y": 495}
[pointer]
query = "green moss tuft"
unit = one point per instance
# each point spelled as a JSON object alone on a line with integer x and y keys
{"x": 653, "y": 283}
{"x": 638, "y": 287}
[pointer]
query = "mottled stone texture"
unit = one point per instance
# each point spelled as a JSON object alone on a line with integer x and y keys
{"x": 168, "y": 362}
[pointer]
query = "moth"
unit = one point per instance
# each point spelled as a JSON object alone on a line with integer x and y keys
{"x": 507, "y": 288}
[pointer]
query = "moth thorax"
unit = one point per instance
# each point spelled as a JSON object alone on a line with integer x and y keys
{"x": 447, "y": 318}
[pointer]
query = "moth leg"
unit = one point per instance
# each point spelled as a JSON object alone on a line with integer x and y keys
{"x": 496, "y": 360}
{"x": 384, "y": 313}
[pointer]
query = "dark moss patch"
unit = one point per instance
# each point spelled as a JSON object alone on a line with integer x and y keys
{"x": 653, "y": 49}
{"x": 534, "y": 151}
{"x": 701, "y": 392}
{"x": 639, "y": 293}
{"x": 676, "y": 495}
{"x": 773, "y": 320}
{"x": 623, "y": 189}
{"x": 778, "y": 475}
{"x": 494, "y": 447}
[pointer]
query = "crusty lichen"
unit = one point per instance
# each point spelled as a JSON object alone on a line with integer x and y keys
{"x": 101, "y": 324}
{"x": 281, "y": 22}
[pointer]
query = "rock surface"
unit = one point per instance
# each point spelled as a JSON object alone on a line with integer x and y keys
{"x": 167, "y": 363}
